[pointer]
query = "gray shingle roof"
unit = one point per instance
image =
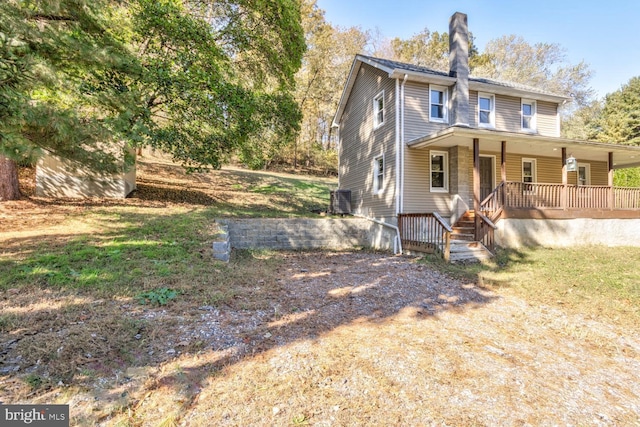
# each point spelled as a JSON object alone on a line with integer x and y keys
{"x": 387, "y": 63}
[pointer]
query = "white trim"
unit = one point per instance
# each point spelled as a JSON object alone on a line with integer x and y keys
{"x": 492, "y": 110}
{"x": 445, "y": 104}
{"x": 402, "y": 144}
{"x": 587, "y": 169}
{"x": 534, "y": 117}
{"x": 378, "y": 188}
{"x": 445, "y": 164}
{"x": 534, "y": 169}
{"x": 376, "y": 111}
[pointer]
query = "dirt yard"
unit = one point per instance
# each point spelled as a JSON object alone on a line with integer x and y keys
{"x": 288, "y": 338}
{"x": 362, "y": 339}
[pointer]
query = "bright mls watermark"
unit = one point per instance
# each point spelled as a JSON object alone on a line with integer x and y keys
{"x": 34, "y": 415}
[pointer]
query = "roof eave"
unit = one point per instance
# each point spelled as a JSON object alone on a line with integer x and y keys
{"x": 417, "y": 76}
{"x": 516, "y": 92}
{"x": 454, "y": 131}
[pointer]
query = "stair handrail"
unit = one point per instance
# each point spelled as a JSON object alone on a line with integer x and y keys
{"x": 413, "y": 233}
{"x": 486, "y": 235}
{"x": 443, "y": 222}
{"x": 494, "y": 202}
{"x": 493, "y": 197}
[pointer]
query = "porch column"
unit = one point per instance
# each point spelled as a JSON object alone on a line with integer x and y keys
{"x": 503, "y": 173}
{"x": 503, "y": 162}
{"x": 476, "y": 185}
{"x": 563, "y": 201}
{"x": 610, "y": 182}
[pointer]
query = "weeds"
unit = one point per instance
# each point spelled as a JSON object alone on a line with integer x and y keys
{"x": 157, "y": 296}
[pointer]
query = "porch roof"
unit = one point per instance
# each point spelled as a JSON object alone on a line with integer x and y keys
{"x": 624, "y": 156}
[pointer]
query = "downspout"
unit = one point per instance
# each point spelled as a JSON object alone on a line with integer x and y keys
{"x": 397, "y": 243}
{"x": 402, "y": 143}
{"x": 398, "y": 176}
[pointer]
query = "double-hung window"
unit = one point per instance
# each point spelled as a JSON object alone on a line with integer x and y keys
{"x": 378, "y": 174}
{"x": 438, "y": 100}
{"x": 486, "y": 110}
{"x": 528, "y": 112}
{"x": 378, "y": 110}
{"x": 439, "y": 171}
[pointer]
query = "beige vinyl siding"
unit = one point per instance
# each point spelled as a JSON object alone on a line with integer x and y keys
{"x": 548, "y": 169}
{"x": 508, "y": 113}
{"x": 473, "y": 108}
{"x": 547, "y": 118}
{"x": 416, "y": 112}
{"x": 417, "y": 197}
{"x": 360, "y": 144}
{"x": 599, "y": 174}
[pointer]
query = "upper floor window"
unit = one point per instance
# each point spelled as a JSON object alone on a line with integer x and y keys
{"x": 438, "y": 103}
{"x": 378, "y": 110}
{"x": 439, "y": 171}
{"x": 486, "y": 110}
{"x": 528, "y": 115}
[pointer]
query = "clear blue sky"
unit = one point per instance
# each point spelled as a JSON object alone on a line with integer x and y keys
{"x": 605, "y": 34}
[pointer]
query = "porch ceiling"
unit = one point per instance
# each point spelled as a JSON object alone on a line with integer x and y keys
{"x": 624, "y": 156}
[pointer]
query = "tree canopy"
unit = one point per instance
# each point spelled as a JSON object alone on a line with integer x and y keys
{"x": 620, "y": 118}
{"x": 198, "y": 79}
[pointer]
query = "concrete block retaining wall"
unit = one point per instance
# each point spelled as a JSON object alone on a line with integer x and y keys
{"x": 306, "y": 233}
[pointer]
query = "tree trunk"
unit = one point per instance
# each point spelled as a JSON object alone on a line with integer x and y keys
{"x": 9, "y": 188}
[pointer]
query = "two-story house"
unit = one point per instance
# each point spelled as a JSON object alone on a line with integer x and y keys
{"x": 448, "y": 154}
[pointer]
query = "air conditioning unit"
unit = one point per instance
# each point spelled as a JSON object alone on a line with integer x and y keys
{"x": 340, "y": 202}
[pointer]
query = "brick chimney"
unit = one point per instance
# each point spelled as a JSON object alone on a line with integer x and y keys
{"x": 459, "y": 68}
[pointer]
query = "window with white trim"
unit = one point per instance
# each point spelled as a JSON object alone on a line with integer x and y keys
{"x": 438, "y": 102}
{"x": 529, "y": 173}
{"x": 378, "y": 110}
{"x": 439, "y": 171}
{"x": 378, "y": 174}
{"x": 486, "y": 110}
{"x": 584, "y": 174}
{"x": 528, "y": 113}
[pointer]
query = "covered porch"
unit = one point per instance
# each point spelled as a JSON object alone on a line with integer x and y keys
{"x": 540, "y": 186}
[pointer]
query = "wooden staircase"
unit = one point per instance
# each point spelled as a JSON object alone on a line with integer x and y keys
{"x": 464, "y": 247}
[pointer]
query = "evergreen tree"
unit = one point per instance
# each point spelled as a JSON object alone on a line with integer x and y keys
{"x": 619, "y": 123}
{"x": 54, "y": 57}
{"x": 620, "y": 118}
{"x": 198, "y": 79}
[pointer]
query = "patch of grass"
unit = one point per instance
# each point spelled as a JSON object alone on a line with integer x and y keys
{"x": 34, "y": 381}
{"x": 593, "y": 280}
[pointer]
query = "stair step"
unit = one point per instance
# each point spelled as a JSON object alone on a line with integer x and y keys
{"x": 468, "y": 251}
{"x": 462, "y": 229}
{"x": 465, "y": 224}
{"x": 469, "y": 257}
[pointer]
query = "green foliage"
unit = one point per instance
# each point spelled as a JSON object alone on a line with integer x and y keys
{"x": 627, "y": 177}
{"x": 620, "y": 119}
{"x": 199, "y": 80}
{"x": 52, "y": 57}
{"x": 34, "y": 381}
{"x": 159, "y": 296}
